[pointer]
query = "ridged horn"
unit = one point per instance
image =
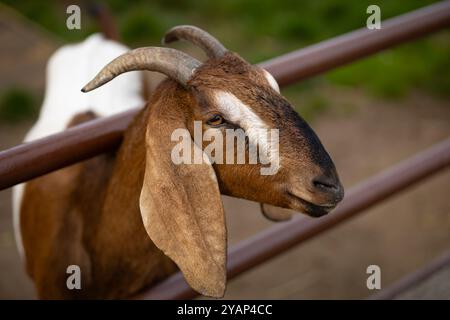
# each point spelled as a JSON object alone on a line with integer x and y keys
{"x": 173, "y": 63}
{"x": 210, "y": 45}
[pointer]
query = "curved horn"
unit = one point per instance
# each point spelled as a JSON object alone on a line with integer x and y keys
{"x": 212, "y": 47}
{"x": 173, "y": 63}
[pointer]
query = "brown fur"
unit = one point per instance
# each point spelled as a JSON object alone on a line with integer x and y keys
{"x": 88, "y": 215}
{"x": 303, "y": 156}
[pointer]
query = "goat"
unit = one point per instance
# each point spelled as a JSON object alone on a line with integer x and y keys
{"x": 131, "y": 218}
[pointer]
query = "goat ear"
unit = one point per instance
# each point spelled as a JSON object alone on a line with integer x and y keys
{"x": 182, "y": 209}
{"x": 276, "y": 213}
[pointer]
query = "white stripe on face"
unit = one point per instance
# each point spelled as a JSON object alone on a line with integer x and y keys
{"x": 271, "y": 80}
{"x": 234, "y": 110}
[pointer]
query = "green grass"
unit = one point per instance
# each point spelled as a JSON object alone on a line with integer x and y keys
{"x": 261, "y": 29}
{"x": 424, "y": 65}
{"x": 16, "y": 105}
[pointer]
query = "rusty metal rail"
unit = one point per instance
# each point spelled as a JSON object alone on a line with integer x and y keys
{"x": 283, "y": 236}
{"x": 33, "y": 159}
{"x": 326, "y": 55}
{"x": 30, "y": 160}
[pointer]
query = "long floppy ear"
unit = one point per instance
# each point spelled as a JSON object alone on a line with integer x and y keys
{"x": 181, "y": 206}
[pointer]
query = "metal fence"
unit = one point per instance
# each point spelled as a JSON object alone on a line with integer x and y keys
{"x": 33, "y": 159}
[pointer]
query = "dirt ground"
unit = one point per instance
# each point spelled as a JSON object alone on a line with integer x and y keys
{"x": 398, "y": 235}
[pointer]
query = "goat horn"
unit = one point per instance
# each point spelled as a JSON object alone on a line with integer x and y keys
{"x": 212, "y": 47}
{"x": 173, "y": 63}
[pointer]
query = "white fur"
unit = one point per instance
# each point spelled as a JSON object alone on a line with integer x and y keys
{"x": 256, "y": 129}
{"x": 236, "y": 111}
{"x": 68, "y": 70}
{"x": 271, "y": 80}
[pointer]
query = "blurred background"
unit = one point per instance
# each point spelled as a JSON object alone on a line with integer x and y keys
{"x": 370, "y": 115}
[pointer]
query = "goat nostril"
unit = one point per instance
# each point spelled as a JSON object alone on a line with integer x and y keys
{"x": 329, "y": 186}
{"x": 325, "y": 183}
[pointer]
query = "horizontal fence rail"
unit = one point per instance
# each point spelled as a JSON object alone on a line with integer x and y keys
{"x": 338, "y": 51}
{"x": 33, "y": 159}
{"x": 283, "y": 236}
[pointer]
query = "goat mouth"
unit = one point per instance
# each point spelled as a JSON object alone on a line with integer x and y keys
{"x": 309, "y": 208}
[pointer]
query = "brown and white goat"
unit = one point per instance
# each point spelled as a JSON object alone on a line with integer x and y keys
{"x": 130, "y": 218}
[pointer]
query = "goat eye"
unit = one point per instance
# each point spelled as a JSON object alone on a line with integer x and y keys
{"x": 216, "y": 120}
